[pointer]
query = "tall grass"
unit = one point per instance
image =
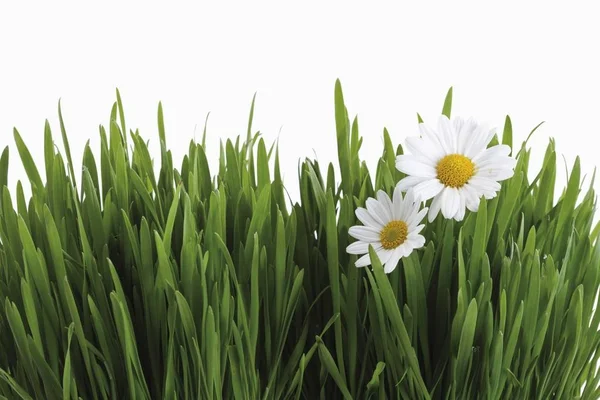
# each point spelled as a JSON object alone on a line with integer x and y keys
{"x": 185, "y": 283}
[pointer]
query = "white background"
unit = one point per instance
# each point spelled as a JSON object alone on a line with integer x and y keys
{"x": 536, "y": 62}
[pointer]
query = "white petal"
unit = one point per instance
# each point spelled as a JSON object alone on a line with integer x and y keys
{"x": 472, "y": 147}
{"x": 416, "y": 230}
{"x": 488, "y": 135}
{"x": 435, "y": 148}
{"x": 450, "y": 202}
{"x": 409, "y": 181}
{"x": 416, "y": 242}
{"x": 360, "y": 247}
{"x": 405, "y": 209}
{"x": 429, "y": 188}
{"x": 483, "y": 184}
{"x": 412, "y": 165}
{"x": 363, "y": 261}
{"x": 410, "y": 199}
{"x": 479, "y": 191}
{"x": 446, "y": 134}
{"x": 481, "y": 137}
{"x": 405, "y": 249}
{"x": 385, "y": 201}
{"x": 501, "y": 150}
{"x": 489, "y": 195}
{"x": 430, "y": 135}
{"x": 464, "y": 132}
{"x": 435, "y": 207}
{"x": 486, "y": 157}
{"x": 459, "y": 128}
{"x": 377, "y": 211}
{"x": 392, "y": 263}
{"x": 496, "y": 174}
{"x": 384, "y": 255}
{"x": 397, "y": 196}
{"x": 366, "y": 218}
{"x": 364, "y": 233}
{"x": 415, "y": 218}
{"x": 460, "y": 213}
{"x": 424, "y": 148}
{"x": 457, "y": 125}
{"x": 398, "y": 203}
{"x": 496, "y": 162}
{"x": 471, "y": 197}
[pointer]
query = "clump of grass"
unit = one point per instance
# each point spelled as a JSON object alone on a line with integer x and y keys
{"x": 191, "y": 284}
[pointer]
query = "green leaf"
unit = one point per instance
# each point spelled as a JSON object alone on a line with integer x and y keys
{"x": 332, "y": 369}
{"x": 393, "y": 312}
{"x": 67, "y": 377}
{"x": 446, "y": 110}
{"x": 28, "y": 163}
{"x": 334, "y": 270}
{"x": 507, "y": 133}
{"x": 465, "y": 349}
{"x": 343, "y": 130}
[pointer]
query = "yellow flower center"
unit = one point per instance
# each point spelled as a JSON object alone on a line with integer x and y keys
{"x": 393, "y": 234}
{"x": 455, "y": 170}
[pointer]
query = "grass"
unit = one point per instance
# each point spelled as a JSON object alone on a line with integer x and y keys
{"x": 167, "y": 282}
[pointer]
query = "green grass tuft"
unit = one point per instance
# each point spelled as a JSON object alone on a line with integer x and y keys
{"x": 179, "y": 282}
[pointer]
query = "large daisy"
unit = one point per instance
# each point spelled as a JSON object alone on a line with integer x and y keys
{"x": 453, "y": 165}
{"x": 391, "y": 226}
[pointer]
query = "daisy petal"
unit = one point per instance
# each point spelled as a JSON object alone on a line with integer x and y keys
{"x": 364, "y": 233}
{"x": 410, "y": 199}
{"x": 398, "y": 203}
{"x": 366, "y": 218}
{"x": 419, "y": 147}
{"x": 416, "y": 242}
{"x": 360, "y": 247}
{"x": 409, "y": 181}
{"x": 392, "y": 263}
{"x": 411, "y": 165}
{"x": 397, "y": 196}
{"x": 416, "y": 230}
{"x": 405, "y": 249}
{"x": 377, "y": 211}
{"x": 496, "y": 174}
{"x": 480, "y": 138}
{"x": 384, "y": 255}
{"x": 483, "y": 184}
{"x": 430, "y": 136}
{"x": 428, "y": 189}
{"x": 457, "y": 126}
{"x": 501, "y": 150}
{"x": 464, "y": 132}
{"x": 489, "y": 195}
{"x": 406, "y": 208}
{"x": 363, "y": 261}
{"x": 496, "y": 162}
{"x": 435, "y": 207}
{"x": 471, "y": 197}
{"x": 384, "y": 200}
{"x": 446, "y": 135}
{"x": 416, "y": 218}
{"x": 450, "y": 202}
{"x": 460, "y": 213}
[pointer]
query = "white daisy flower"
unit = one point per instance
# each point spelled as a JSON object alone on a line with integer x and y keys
{"x": 391, "y": 226}
{"x": 454, "y": 166}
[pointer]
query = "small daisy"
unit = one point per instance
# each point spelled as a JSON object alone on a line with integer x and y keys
{"x": 391, "y": 226}
{"x": 454, "y": 166}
